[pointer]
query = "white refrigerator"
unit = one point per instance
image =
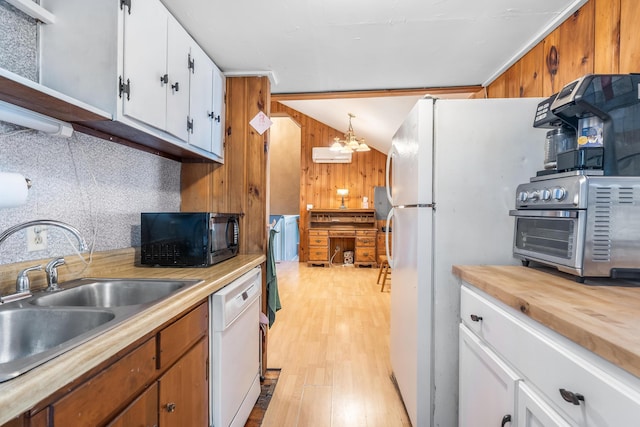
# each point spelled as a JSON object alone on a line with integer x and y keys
{"x": 455, "y": 165}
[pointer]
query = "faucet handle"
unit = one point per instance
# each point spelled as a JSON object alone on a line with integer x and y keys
{"x": 51, "y": 269}
{"x": 22, "y": 282}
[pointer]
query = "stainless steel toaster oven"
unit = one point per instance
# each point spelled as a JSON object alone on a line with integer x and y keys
{"x": 580, "y": 222}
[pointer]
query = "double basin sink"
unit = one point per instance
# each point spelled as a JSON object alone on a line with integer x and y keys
{"x": 47, "y": 324}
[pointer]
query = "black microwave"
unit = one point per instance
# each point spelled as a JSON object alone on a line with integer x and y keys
{"x": 188, "y": 239}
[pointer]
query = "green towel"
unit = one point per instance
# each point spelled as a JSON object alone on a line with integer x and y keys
{"x": 273, "y": 298}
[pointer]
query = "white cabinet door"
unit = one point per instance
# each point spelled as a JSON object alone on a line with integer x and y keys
{"x": 534, "y": 412}
{"x": 219, "y": 91}
{"x": 201, "y": 103}
{"x": 487, "y": 386}
{"x": 145, "y": 62}
{"x": 178, "y": 50}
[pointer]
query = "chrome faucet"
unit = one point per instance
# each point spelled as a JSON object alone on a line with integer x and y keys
{"x": 23, "y": 288}
{"x": 50, "y": 222}
{"x": 52, "y": 274}
{"x": 22, "y": 282}
{"x": 51, "y": 268}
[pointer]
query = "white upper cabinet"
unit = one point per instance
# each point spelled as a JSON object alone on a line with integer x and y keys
{"x": 201, "y": 104}
{"x": 131, "y": 58}
{"x": 178, "y": 52}
{"x": 219, "y": 95}
{"x": 145, "y": 63}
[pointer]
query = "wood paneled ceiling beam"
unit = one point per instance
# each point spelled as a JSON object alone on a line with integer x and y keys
{"x": 375, "y": 93}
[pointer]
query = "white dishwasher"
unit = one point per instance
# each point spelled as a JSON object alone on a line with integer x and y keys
{"x": 235, "y": 350}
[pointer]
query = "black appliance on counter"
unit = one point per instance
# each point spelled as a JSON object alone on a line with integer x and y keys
{"x": 604, "y": 112}
{"x": 188, "y": 239}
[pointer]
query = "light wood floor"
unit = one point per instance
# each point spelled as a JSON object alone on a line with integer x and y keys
{"x": 331, "y": 340}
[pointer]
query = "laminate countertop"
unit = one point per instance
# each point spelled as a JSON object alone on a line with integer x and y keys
{"x": 600, "y": 315}
{"x": 23, "y": 392}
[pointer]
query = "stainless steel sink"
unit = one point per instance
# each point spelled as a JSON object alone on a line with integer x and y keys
{"x": 111, "y": 292}
{"x": 30, "y": 336}
{"x": 39, "y": 328}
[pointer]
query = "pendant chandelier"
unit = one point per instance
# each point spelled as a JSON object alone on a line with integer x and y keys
{"x": 350, "y": 143}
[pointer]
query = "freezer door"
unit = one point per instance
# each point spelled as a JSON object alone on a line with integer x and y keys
{"x": 410, "y": 158}
{"x": 411, "y": 310}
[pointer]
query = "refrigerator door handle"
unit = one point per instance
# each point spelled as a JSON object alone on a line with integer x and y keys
{"x": 386, "y": 239}
{"x": 390, "y": 154}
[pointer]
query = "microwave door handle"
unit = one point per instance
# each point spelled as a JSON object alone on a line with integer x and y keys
{"x": 234, "y": 223}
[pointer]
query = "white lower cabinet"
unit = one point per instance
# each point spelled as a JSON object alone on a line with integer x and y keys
{"x": 533, "y": 411}
{"x": 551, "y": 380}
{"x": 487, "y": 384}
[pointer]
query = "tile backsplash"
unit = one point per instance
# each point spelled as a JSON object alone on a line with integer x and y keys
{"x": 97, "y": 186}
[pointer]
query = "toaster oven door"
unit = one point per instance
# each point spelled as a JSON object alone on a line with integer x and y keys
{"x": 552, "y": 237}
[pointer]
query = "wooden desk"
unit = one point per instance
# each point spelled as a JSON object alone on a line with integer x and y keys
{"x": 334, "y": 231}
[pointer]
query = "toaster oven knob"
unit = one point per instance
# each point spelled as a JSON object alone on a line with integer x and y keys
{"x": 559, "y": 193}
{"x": 523, "y": 196}
{"x": 534, "y": 195}
{"x": 546, "y": 194}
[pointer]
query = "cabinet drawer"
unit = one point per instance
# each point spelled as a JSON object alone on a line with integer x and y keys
{"x": 365, "y": 241}
{"x": 365, "y": 255}
{"x": 318, "y": 254}
{"x": 175, "y": 339}
{"x": 342, "y": 233}
{"x": 95, "y": 400}
{"x": 318, "y": 241}
{"x": 550, "y": 362}
{"x": 366, "y": 233}
{"x": 318, "y": 233}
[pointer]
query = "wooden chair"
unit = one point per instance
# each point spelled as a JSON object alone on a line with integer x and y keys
{"x": 384, "y": 272}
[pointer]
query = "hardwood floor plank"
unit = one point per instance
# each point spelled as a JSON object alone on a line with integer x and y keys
{"x": 331, "y": 340}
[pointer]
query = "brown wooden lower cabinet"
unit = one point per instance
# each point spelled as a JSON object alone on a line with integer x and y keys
{"x": 142, "y": 412}
{"x": 135, "y": 390}
{"x": 182, "y": 390}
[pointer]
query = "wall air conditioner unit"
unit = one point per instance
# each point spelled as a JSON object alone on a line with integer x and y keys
{"x": 325, "y": 155}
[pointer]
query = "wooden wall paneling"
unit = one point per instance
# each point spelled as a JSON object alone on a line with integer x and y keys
{"x": 629, "y": 40}
{"x": 531, "y": 72}
{"x": 498, "y": 88}
{"x": 239, "y": 185}
{"x": 512, "y": 84}
{"x": 196, "y": 187}
{"x": 247, "y": 171}
{"x": 607, "y": 36}
{"x": 569, "y": 50}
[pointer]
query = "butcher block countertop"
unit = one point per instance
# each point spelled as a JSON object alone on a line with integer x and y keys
{"x": 602, "y": 316}
{"x": 25, "y": 391}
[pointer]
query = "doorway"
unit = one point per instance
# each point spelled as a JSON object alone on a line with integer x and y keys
{"x": 284, "y": 187}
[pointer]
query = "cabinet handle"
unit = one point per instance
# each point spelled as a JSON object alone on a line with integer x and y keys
{"x": 213, "y": 116}
{"x": 506, "y": 419}
{"x": 164, "y": 79}
{"x": 476, "y": 318}
{"x": 571, "y": 397}
{"x": 176, "y": 86}
{"x": 171, "y": 407}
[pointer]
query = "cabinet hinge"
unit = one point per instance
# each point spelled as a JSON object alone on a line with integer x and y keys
{"x": 125, "y": 88}
{"x": 189, "y": 125}
{"x": 124, "y": 3}
{"x": 191, "y": 64}
{"x": 213, "y": 116}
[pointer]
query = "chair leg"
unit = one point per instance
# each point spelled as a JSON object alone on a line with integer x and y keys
{"x": 382, "y": 265}
{"x": 384, "y": 278}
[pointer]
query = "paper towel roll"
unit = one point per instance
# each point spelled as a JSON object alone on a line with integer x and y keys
{"x": 13, "y": 190}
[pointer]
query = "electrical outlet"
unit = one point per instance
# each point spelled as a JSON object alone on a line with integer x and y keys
{"x": 36, "y": 239}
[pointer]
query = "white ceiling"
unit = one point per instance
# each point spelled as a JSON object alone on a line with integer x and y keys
{"x": 358, "y": 45}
